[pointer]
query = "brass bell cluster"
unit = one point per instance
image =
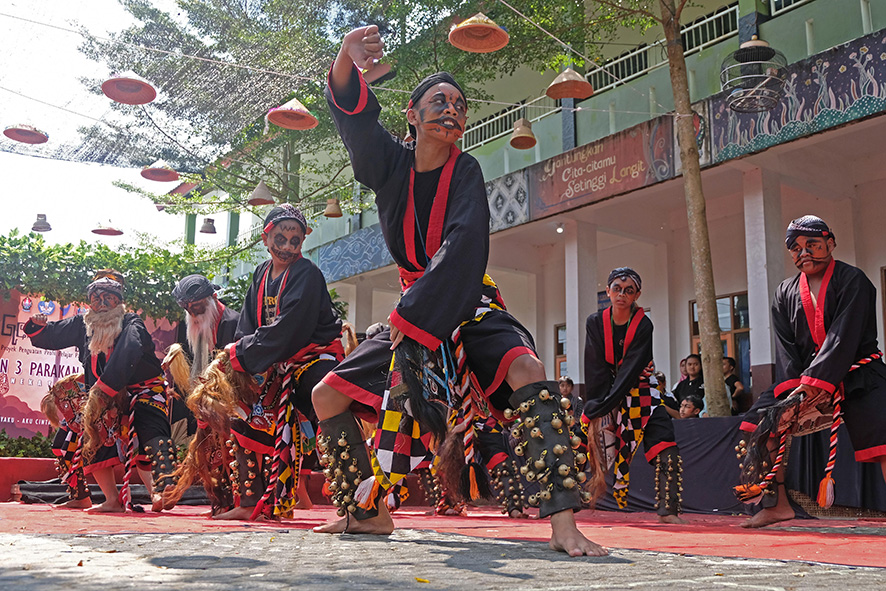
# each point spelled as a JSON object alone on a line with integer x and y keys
{"x": 555, "y": 465}
{"x": 669, "y": 483}
{"x": 163, "y": 463}
{"x": 340, "y": 469}
{"x": 509, "y": 487}
{"x": 431, "y": 486}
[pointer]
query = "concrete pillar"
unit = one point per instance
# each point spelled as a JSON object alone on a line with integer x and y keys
{"x": 580, "y": 290}
{"x": 362, "y": 315}
{"x": 764, "y": 248}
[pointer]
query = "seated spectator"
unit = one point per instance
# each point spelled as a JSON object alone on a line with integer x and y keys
{"x": 694, "y": 382}
{"x": 741, "y": 398}
{"x": 567, "y": 390}
{"x": 683, "y": 374}
{"x": 691, "y": 407}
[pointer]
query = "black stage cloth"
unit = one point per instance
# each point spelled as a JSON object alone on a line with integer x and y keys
{"x": 710, "y": 470}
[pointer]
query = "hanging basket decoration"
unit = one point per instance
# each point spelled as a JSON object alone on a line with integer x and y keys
{"x": 160, "y": 171}
{"x": 478, "y": 34}
{"x": 522, "y": 138}
{"x": 754, "y": 75}
{"x": 261, "y": 195}
{"x": 107, "y": 230}
{"x": 26, "y": 134}
{"x": 129, "y": 88}
{"x": 570, "y": 84}
{"x": 292, "y": 115}
{"x": 333, "y": 209}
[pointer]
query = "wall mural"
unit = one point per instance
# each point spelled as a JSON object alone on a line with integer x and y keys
{"x": 358, "y": 252}
{"x": 842, "y": 84}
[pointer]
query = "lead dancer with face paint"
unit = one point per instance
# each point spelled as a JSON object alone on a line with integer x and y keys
{"x": 456, "y": 352}
{"x": 828, "y": 370}
{"x": 618, "y": 351}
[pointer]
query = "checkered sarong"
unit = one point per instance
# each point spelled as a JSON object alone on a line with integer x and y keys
{"x": 631, "y": 419}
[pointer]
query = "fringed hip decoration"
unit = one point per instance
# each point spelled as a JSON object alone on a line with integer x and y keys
{"x": 826, "y": 487}
{"x": 283, "y": 483}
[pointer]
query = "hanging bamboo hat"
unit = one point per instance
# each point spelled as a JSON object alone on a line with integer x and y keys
{"x": 570, "y": 84}
{"x": 27, "y": 134}
{"x": 478, "y": 34}
{"x": 160, "y": 171}
{"x": 522, "y": 138}
{"x": 292, "y": 115}
{"x": 129, "y": 88}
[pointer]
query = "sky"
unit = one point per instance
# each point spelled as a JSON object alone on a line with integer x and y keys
{"x": 44, "y": 64}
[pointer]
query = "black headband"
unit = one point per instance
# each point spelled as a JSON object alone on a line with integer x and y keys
{"x": 105, "y": 285}
{"x": 427, "y": 84}
{"x": 808, "y": 225}
{"x": 192, "y": 288}
{"x": 625, "y": 273}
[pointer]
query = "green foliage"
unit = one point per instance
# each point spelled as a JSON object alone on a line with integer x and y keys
{"x": 38, "y": 446}
{"x": 339, "y": 304}
{"x": 62, "y": 272}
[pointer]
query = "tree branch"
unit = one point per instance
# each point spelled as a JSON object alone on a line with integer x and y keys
{"x": 623, "y": 10}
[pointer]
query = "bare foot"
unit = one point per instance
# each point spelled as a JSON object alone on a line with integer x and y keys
{"x": 236, "y": 514}
{"x": 158, "y": 504}
{"x": 84, "y": 503}
{"x": 381, "y": 525}
{"x": 565, "y": 537}
{"x": 672, "y": 519}
{"x": 109, "y": 506}
{"x": 769, "y": 516}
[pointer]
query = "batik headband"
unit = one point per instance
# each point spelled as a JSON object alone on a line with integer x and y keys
{"x": 192, "y": 288}
{"x": 808, "y": 225}
{"x": 287, "y": 211}
{"x": 105, "y": 285}
{"x": 625, "y": 273}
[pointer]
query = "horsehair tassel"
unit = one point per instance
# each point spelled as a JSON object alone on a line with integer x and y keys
{"x": 474, "y": 489}
{"x": 826, "y": 487}
{"x": 126, "y": 492}
{"x": 367, "y": 493}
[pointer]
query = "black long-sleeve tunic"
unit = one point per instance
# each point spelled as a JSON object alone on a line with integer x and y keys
{"x": 305, "y": 318}
{"x": 440, "y": 240}
{"x": 131, "y": 361}
{"x": 613, "y": 369}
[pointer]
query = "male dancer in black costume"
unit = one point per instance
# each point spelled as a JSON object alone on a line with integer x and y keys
{"x": 434, "y": 215}
{"x": 618, "y": 351}
{"x": 121, "y": 373}
{"x": 825, "y": 323}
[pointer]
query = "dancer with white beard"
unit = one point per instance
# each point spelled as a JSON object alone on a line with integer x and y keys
{"x": 127, "y": 393}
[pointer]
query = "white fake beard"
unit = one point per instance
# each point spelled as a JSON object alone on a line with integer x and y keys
{"x": 201, "y": 337}
{"x": 103, "y": 328}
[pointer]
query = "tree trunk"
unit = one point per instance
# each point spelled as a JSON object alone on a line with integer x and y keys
{"x": 716, "y": 401}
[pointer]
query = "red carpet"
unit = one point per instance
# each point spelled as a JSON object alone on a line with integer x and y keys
{"x": 849, "y": 542}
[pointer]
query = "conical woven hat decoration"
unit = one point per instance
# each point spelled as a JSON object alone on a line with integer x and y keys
{"x": 128, "y": 88}
{"x": 570, "y": 84}
{"x": 292, "y": 115}
{"x": 26, "y": 134}
{"x": 522, "y": 137}
{"x": 160, "y": 171}
{"x": 478, "y": 34}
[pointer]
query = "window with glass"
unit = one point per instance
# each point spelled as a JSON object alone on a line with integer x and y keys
{"x": 735, "y": 329}
{"x": 560, "y": 368}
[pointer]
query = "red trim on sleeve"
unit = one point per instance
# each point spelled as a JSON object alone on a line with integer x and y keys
{"x": 786, "y": 386}
{"x": 232, "y": 355}
{"x": 361, "y": 101}
{"x": 747, "y": 427}
{"x": 106, "y": 388}
{"x": 658, "y": 448}
{"x": 251, "y": 444}
{"x": 505, "y": 364}
{"x": 826, "y": 386}
{"x": 33, "y": 334}
{"x": 438, "y": 210}
{"x": 871, "y": 454}
{"x": 221, "y": 312}
{"x": 414, "y": 332}
{"x": 496, "y": 460}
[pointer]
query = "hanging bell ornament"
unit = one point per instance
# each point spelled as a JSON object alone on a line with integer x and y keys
{"x": 557, "y": 423}
{"x": 568, "y": 483}
{"x": 522, "y": 137}
{"x": 539, "y": 464}
{"x": 565, "y": 403}
{"x": 563, "y": 470}
{"x": 544, "y": 395}
{"x": 559, "y": 450}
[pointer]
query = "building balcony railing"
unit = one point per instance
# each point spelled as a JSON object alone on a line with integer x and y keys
{"x": 708, "y": 30}
{"x": 779, "y": 6}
